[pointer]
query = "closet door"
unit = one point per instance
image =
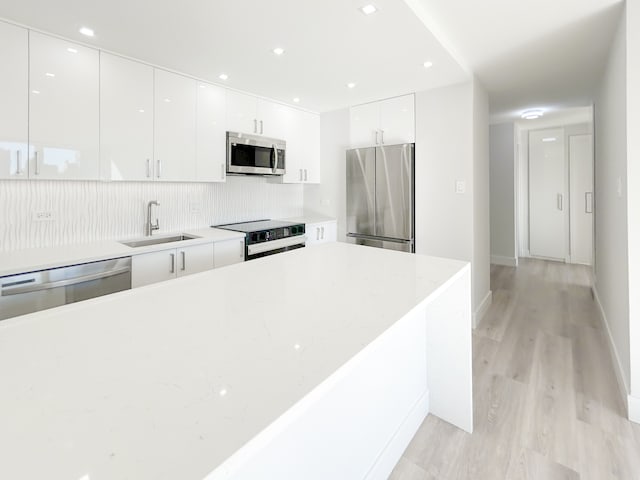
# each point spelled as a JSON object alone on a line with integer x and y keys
{"x": 548, "y": 201}
{"x": 581, "y": 187}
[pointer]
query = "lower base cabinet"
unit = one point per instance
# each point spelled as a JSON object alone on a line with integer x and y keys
{"x": 323, "y": 232}
{"x": 156, "y": 267}
{"x": 228, "y": 252}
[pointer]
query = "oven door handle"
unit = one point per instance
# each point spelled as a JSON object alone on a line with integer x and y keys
{"x": 276, "y": 244}
{"x": 275, "y": 158}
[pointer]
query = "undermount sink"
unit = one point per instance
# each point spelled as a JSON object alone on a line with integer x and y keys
{"x": 145, "y": 242}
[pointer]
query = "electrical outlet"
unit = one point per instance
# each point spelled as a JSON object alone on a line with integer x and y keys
{"x": 461, "y": 187}
{"x": 195, "y": 208}
{"x": 44, "y": 216}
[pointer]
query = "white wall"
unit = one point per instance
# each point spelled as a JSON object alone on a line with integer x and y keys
{"x": 93, "y": 211}
{"x": 480, "y": 266}
{"x": 329, "y": 198}
{"x": 503, "y": 194}
{"x": 633, "y": 200}
{"x": 611, "y": 265}
{"x": 452, "y": 141}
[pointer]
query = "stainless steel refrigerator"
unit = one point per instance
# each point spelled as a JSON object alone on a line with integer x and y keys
{"x": 381, "y": 196}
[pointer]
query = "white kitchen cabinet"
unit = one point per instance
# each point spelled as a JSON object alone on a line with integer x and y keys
{"x": 126, "y": 119}
{"x": 242, "y": 113}
{"x": 389, "y": 122}
{"x": 14, "y": 98}
{"x": 303, "y": 149}
{"x": 63, "y": 109}
{"x": 228, "y": 252}
{"x": 175, "y": 127}
{"x": 397, "y": 120}
{"x": 149, "y": 268}
{"x": 211, "y": 146}
{"x": 321, "y": 232}
{"x": 256, "y": 116}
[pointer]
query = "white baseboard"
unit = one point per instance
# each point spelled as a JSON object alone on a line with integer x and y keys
{"x": 391, "y": 454}
{"x": 634, "y": 408}
{"x": 615, "y": 358}
{"x": 506, "y": 261}
{"x": 482, "y": 309}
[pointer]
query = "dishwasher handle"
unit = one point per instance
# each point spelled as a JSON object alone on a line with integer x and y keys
{"x": 63, "y": 283}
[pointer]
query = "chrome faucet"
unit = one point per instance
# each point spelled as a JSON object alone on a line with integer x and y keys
{"x": 150, "y": 227}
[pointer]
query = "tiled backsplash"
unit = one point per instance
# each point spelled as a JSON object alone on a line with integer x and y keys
{"x": 92, "y": 211}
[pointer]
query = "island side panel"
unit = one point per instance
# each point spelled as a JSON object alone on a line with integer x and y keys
{"x": 354, "y": 425}
{"x": 449, "y": 353}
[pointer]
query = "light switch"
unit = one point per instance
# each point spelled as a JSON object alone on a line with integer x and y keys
{"x": 461, "y": 187}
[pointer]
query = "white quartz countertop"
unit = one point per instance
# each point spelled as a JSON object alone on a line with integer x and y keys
{"x": 169, "y": 380}
{"x": 310, "y": 218}
{"x": 29, "y": 260}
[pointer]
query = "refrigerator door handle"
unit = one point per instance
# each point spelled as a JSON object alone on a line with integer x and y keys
{"x": 381, "y": 239}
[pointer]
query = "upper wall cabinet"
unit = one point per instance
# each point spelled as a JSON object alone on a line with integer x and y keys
{"x": 303, "y": 148}
{"x": 175, "y": 127}
{"x": 14, "y": 87}
{"x": 256, "y": 116}
{"x": 388, "y": 122}
{"x": 63, "y": 109}
{"x": 211, "y": 145}
{"x": 126, "y": 119}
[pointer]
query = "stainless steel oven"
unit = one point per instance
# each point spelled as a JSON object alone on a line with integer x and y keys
{"x": 268, "y": 237}
{"x": 255, "y": 155}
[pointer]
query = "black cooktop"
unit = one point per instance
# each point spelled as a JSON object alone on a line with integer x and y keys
{"x": 255, "y": 226}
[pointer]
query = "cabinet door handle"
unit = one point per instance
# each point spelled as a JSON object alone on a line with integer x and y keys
{"x": 148, "y": 168}
{"x": 37, "y": 166}
{"x": 261, "y": 128}
{"x": 322, "y": 236}
{"x": 173, "y": 263}
{"x": 317, "y": 233}
{"x": 159, "y": 172}
{"x": 255, "y": 125}
{"x": 242, "y": 249}
{"x": 222, "y": 171}
{"x": 559, "y": 201}
{"x": 377, "y": 132}
{"x": 184, "y": 261}
{"x": 588, "y": 202}
{"x": 382, "y": 137}
{"x": 300, "y": 174}
{"x": 18, "y": 172}
{"x": 305, "y": 175}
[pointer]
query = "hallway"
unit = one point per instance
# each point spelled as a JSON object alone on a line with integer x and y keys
{"x": 547, "y": 404}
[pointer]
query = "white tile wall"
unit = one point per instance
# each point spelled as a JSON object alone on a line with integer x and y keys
{"x": 93, "y": 211}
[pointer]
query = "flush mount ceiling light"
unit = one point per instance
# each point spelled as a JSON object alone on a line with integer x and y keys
{"x": 351, "y": 85}
{"x": 223, "y": 76}
{"x": 87, "y": 31}
{"x": 427, "y": 64}
{"x": 278, "y": 51}
{"x": 296, "y": 100}
{"x": 532, "y": 114}
{"x": 368, "y": 9}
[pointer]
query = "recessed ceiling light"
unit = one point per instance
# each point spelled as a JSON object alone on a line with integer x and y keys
{"x": 37, "y": 92}
{"x": 351, "y": 85}
{"x": 167, "y": 100}
{"x": 296, "y": 100}
{"x": 427, "y": 64}
{"x": 278, "y": 51}
{"x": 48, "y": 74}
{"x": 223, "y": 76}
{"x": 368, "y": 9}
{"x": 72, "y": 50}
{"x": 532, "y": 114}
{"x": 141, "y": 110}
{"x": 549, "y": 139}
{"x": 87, "y": 31}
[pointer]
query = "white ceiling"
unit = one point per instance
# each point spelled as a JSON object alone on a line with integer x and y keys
{"x": 527, "y": 53}
{"x": 328, "y": 43}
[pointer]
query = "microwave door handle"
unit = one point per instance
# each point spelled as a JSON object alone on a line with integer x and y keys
{"x": 275, "y": 158}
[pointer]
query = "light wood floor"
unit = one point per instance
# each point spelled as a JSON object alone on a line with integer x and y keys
{"x": 546, "y": 401}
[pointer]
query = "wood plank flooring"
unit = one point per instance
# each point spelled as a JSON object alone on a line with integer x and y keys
{"x": 546, "y": 402}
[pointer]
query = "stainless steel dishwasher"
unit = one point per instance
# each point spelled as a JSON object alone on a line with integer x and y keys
{"x": 34, "y": 291}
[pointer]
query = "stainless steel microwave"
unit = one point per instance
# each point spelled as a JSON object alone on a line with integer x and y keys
{"x": 255, "y": 155}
